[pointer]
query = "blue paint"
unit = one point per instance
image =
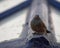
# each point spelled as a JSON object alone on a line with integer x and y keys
{"x": 15, "y": 9}
{"x": 25, "y": 4}
{"x": 54, "y": 3}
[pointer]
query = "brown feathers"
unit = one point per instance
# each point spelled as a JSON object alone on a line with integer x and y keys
{"x": 37, "y": 25}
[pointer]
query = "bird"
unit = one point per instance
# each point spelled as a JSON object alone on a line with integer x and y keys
{"x": 38, "y": 26}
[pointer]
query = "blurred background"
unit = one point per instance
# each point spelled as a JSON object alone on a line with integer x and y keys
{"x": 11, "y": 28}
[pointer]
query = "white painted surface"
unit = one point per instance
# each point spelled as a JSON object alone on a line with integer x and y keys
{"x": 56, "y": 21}
{"x": 11, "y": 28}
{"x": 58, "y": 0}
{"x": 7, "y": 4}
